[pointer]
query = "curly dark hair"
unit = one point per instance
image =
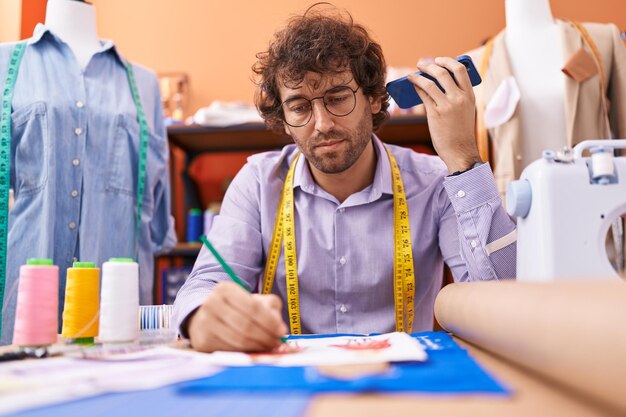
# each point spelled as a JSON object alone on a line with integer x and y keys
{"x": 324, "y": 44}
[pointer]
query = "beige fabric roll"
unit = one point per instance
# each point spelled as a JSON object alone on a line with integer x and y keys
{"x": 573, "y": 332}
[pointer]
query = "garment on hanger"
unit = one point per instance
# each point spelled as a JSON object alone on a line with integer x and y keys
{"x": 74, "y": 164}
{"x": 585, "y": 115}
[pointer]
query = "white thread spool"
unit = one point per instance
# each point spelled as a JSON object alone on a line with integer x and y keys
{"x": 119, "y": 301}
{"x": 602, "y": 164}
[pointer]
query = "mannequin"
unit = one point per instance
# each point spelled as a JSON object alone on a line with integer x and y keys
{"x": 534, "y": 47}
{"x": 81, "y": 35}
{"x": 89, "y": 182}
{"x": 546, "y": 85}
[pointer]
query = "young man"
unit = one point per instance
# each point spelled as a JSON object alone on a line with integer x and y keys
{"x": 348, "y": 234}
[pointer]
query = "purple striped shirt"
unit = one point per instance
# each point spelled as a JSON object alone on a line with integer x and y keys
{"x": 345, "y": 250}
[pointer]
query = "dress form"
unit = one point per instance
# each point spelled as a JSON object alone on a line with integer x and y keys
{"x": 74, "y": 22}
{"x": 535, "y": 54}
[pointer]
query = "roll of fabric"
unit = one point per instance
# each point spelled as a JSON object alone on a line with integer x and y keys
{"x": 572, "y": 332}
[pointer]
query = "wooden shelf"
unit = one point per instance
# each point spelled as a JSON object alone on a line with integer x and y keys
{"x": 185, "y": 249}
{"x": 194, "y": 140}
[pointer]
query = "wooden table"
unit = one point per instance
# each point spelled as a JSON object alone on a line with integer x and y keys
{"x": 533, "y": 396}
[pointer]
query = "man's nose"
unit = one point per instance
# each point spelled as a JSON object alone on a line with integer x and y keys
{"x": 323, "y": 119}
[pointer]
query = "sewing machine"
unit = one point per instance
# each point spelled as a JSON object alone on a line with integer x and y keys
{"x": 565, "y": 206}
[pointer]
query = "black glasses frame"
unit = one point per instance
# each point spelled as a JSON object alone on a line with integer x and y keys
{"x": 332, "y": 90}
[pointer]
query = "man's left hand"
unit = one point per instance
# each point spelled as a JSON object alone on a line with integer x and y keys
{"x": 451, "y": 115}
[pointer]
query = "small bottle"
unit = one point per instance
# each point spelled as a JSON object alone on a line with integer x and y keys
{"x": 165, "y": 96}
{"x": 178, "y": 98}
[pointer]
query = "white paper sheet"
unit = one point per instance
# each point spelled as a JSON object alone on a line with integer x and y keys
{"x": 32, "y": 383}
{"x": 342, "y": 350}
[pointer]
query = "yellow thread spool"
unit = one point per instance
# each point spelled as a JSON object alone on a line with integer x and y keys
{"x": 82, "y": 302}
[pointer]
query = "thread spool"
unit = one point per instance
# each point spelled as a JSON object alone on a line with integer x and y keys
{"x": 157, "y": 324}
{"x": 602, "y": 164}
{"x": 82, "y": 303}
{"x": 119, "y": 301}
{"x": 194, "y": 225}
{"x": 36, "y": 315}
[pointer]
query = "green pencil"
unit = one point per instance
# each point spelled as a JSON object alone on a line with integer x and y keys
{"x": 222, "y": 262}
{"x": 228, "y": 269}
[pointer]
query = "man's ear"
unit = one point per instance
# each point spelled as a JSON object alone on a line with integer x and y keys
{"x": 376, "y": 104}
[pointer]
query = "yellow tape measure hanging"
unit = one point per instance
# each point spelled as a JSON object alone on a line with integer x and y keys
{"x": 404, "y": 276}
{"x": 482, "y": 136}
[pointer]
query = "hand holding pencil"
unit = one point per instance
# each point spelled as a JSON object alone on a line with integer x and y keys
{"x": 231, "y": 318}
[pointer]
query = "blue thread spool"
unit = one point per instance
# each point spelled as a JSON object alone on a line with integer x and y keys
{"x": 194, "y": 225}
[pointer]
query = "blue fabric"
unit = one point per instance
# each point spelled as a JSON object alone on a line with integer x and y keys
{"x": 449, "y": 369}
{"x": 74, "y": 157}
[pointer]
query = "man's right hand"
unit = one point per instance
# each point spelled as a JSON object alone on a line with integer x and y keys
{"x": 232, "y": 319}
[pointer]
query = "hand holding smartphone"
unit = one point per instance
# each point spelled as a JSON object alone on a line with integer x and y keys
{"x": 403, "y": 92}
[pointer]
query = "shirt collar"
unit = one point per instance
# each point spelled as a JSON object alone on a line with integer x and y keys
{"x": 382, "y": 176}
{"x": 302, "y": 176}
{"x": 41, "y": 30}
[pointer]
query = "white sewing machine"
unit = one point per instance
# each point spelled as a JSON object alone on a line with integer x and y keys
{"x": 565, "y": 207}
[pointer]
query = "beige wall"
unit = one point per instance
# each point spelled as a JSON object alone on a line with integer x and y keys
{"x": 10, "y": 18}
{"x": 215, "y": 41}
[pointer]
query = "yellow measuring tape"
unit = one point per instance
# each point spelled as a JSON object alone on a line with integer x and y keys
{"x": 597, "y": 58}
{"x": 404, "y": 276}
{"x": 482, "y": 136}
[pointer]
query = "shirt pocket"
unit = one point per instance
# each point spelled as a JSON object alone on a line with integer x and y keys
{"x": 123, "y": 166}
{"x": 30, "y": 149}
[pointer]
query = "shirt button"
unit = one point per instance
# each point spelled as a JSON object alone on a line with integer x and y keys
{"x": 80, "y": 104}
{"x": 460, "y": 194}
{"x": 75, "y": 162}
{"x": 74, "y": 259}
{"x": 72, "y": 225}
{"x": 343, "y": 308}
{"x": 74, "y": 193}
{"x": 78, "y": 131}
{"x": 342, "y": 260}
{"x": 341, "y": 210}
{"x": 474, "y": 243}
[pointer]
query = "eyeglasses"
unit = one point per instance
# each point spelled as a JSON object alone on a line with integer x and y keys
{"x": 339, "y": 101}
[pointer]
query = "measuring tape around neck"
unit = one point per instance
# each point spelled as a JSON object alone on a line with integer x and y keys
{"x": 403, "y": 271}
{"x": 5, "y": 157}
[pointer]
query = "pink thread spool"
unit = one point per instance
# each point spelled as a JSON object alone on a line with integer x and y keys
{"x": 37, "y": 313}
